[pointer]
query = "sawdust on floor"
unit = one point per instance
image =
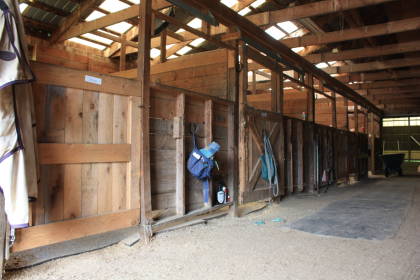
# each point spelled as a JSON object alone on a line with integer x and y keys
{"x": 231, "y": 248}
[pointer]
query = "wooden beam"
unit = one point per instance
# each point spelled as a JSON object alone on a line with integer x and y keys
{"x": 145, "y": 27}
{"x": 163, "y": 37}
{"x": 386, "y": 84}
{"x": 179, "y": 124}
{"x": 43, "y": 235}
{"x": 310, "y": 98}
{"x": 74, "y": 30}
{"x": 233, "y": 118}
{"x": 123, "y": 58}
{"x": 310, "y": 10}
{"x": 243, "y": 131}
{"x": 183, "y": 62}
{"x": 71, "y": 21}
{"x": 191, "y": 30}
{"x": 413, "y": 46}
{"x": 334, "y": 111}
{"x": 374, "y": 66}
{"x": 83, "y": 153}
{"x": 394, "y": 91}
{"x": 56, "y": 75}
{"x": 355, "y": 33}
{"x": 208, "y": 138}
{"x": 301, "y": 11}
{"x": 121, "y": 40}
{"x": 251, "y": 31}
{"x": 383, "y": 75}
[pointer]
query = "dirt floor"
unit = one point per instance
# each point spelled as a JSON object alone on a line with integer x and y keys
{"x": 231, "y": 248}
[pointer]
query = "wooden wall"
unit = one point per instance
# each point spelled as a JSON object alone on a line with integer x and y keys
{"x": 88, "y": 139}
{"x": 205, "y": 72}
{"x": 163, "y": 147}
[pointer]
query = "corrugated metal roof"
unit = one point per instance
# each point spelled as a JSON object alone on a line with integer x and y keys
{"x": 64, "y": 5}
{"x": 42, "y": 16}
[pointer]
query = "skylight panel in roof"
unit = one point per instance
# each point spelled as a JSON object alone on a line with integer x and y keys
{"x": 275, "y": 32}
{"x": 195, "y": 23}
{"x": 171, "y": 57}
{"x": 257, "y": 3}
{"x": 169, "y": 46}
{"x": 322, "y": 65}
{"x": 244, "y": 11}
{"x": 288, "y": 26}
{"x": 154, "y": 53}
{"x": 94, "y": 15}
{"x": 135, "y": 1}
{"x": 120, "y": 27}
{"x": 22, "y": 7}
{"x": 97, "y": 38}
{"x": 113, "y": 6}
{"x": 197, "y": 42}
{"x": 184, "y": 50}
{"x": 229, "y": 3}
{"x": 180, "y": 30}
{"x": 87, "y": 43}
{"x": 297, "y": 49}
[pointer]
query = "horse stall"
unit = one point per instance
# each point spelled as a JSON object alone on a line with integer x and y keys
{"x": 88, "y": 127}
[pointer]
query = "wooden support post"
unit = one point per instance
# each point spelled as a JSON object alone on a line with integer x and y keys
{"x": 290, "y": 157}
{"x": 356, "y": 130}
{"x": 311, "y": 163}
{"x": 356, "y": 118}
{"x": 334, "y": 110}
{"x": 300, "y": 163}
{"x": 163, "y": 37}
{"x": 372, "y": 143}
{"x": 277, "y": 99}
{"x": 280, "y": 93}
{"x": 145, "y": 25}
{"x": 206, "y": 28}
{"x": 208, "y": 138}
{"x": 243, "y": 131}
{"x": 310, "y": 98}
{"x": 346, "y": 116}
{"x": 366, "y": 123}
{"x": 254, "y": 82}
{"x": 123, "y": 57}
{"x": 179, "y": 134}
{"x": 233, "y": 158}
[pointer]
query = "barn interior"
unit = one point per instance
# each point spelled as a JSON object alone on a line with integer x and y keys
{"x": 309, "y": 111}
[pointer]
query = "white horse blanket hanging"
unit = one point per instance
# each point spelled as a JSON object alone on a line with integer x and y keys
{"x": 14, "y": 70}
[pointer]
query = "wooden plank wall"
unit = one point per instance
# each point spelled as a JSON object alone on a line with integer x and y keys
{"x": 88, "y": 150}
{"x": 340, "y": 153}
{"x": 163, "y": 145}
{"x": 205, "y": 73}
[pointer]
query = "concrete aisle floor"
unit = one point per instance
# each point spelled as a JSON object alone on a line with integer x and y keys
{"x": 239, "y": 249}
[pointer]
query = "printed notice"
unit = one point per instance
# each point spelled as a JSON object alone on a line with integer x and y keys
{"x": 93, "y": 80}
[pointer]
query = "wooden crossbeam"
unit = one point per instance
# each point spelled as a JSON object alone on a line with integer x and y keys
{"x": 394, "y": 91}
{"x": 355, "y": 33}
{"x": 310, "y": 10}
{"x": 191, "y": 30}
{"x": 253, "y": 32}
{"x": 301, "y": 11}
{"x": 365, "y": 52}
{"x": 386, "y": 84}
{"x": 374, "y": 65}
{"x": 74, "y": 30}
{"x": 74, "y": 18}
{"x": 115, "y": 38}
{"x": 383, "y": 75}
